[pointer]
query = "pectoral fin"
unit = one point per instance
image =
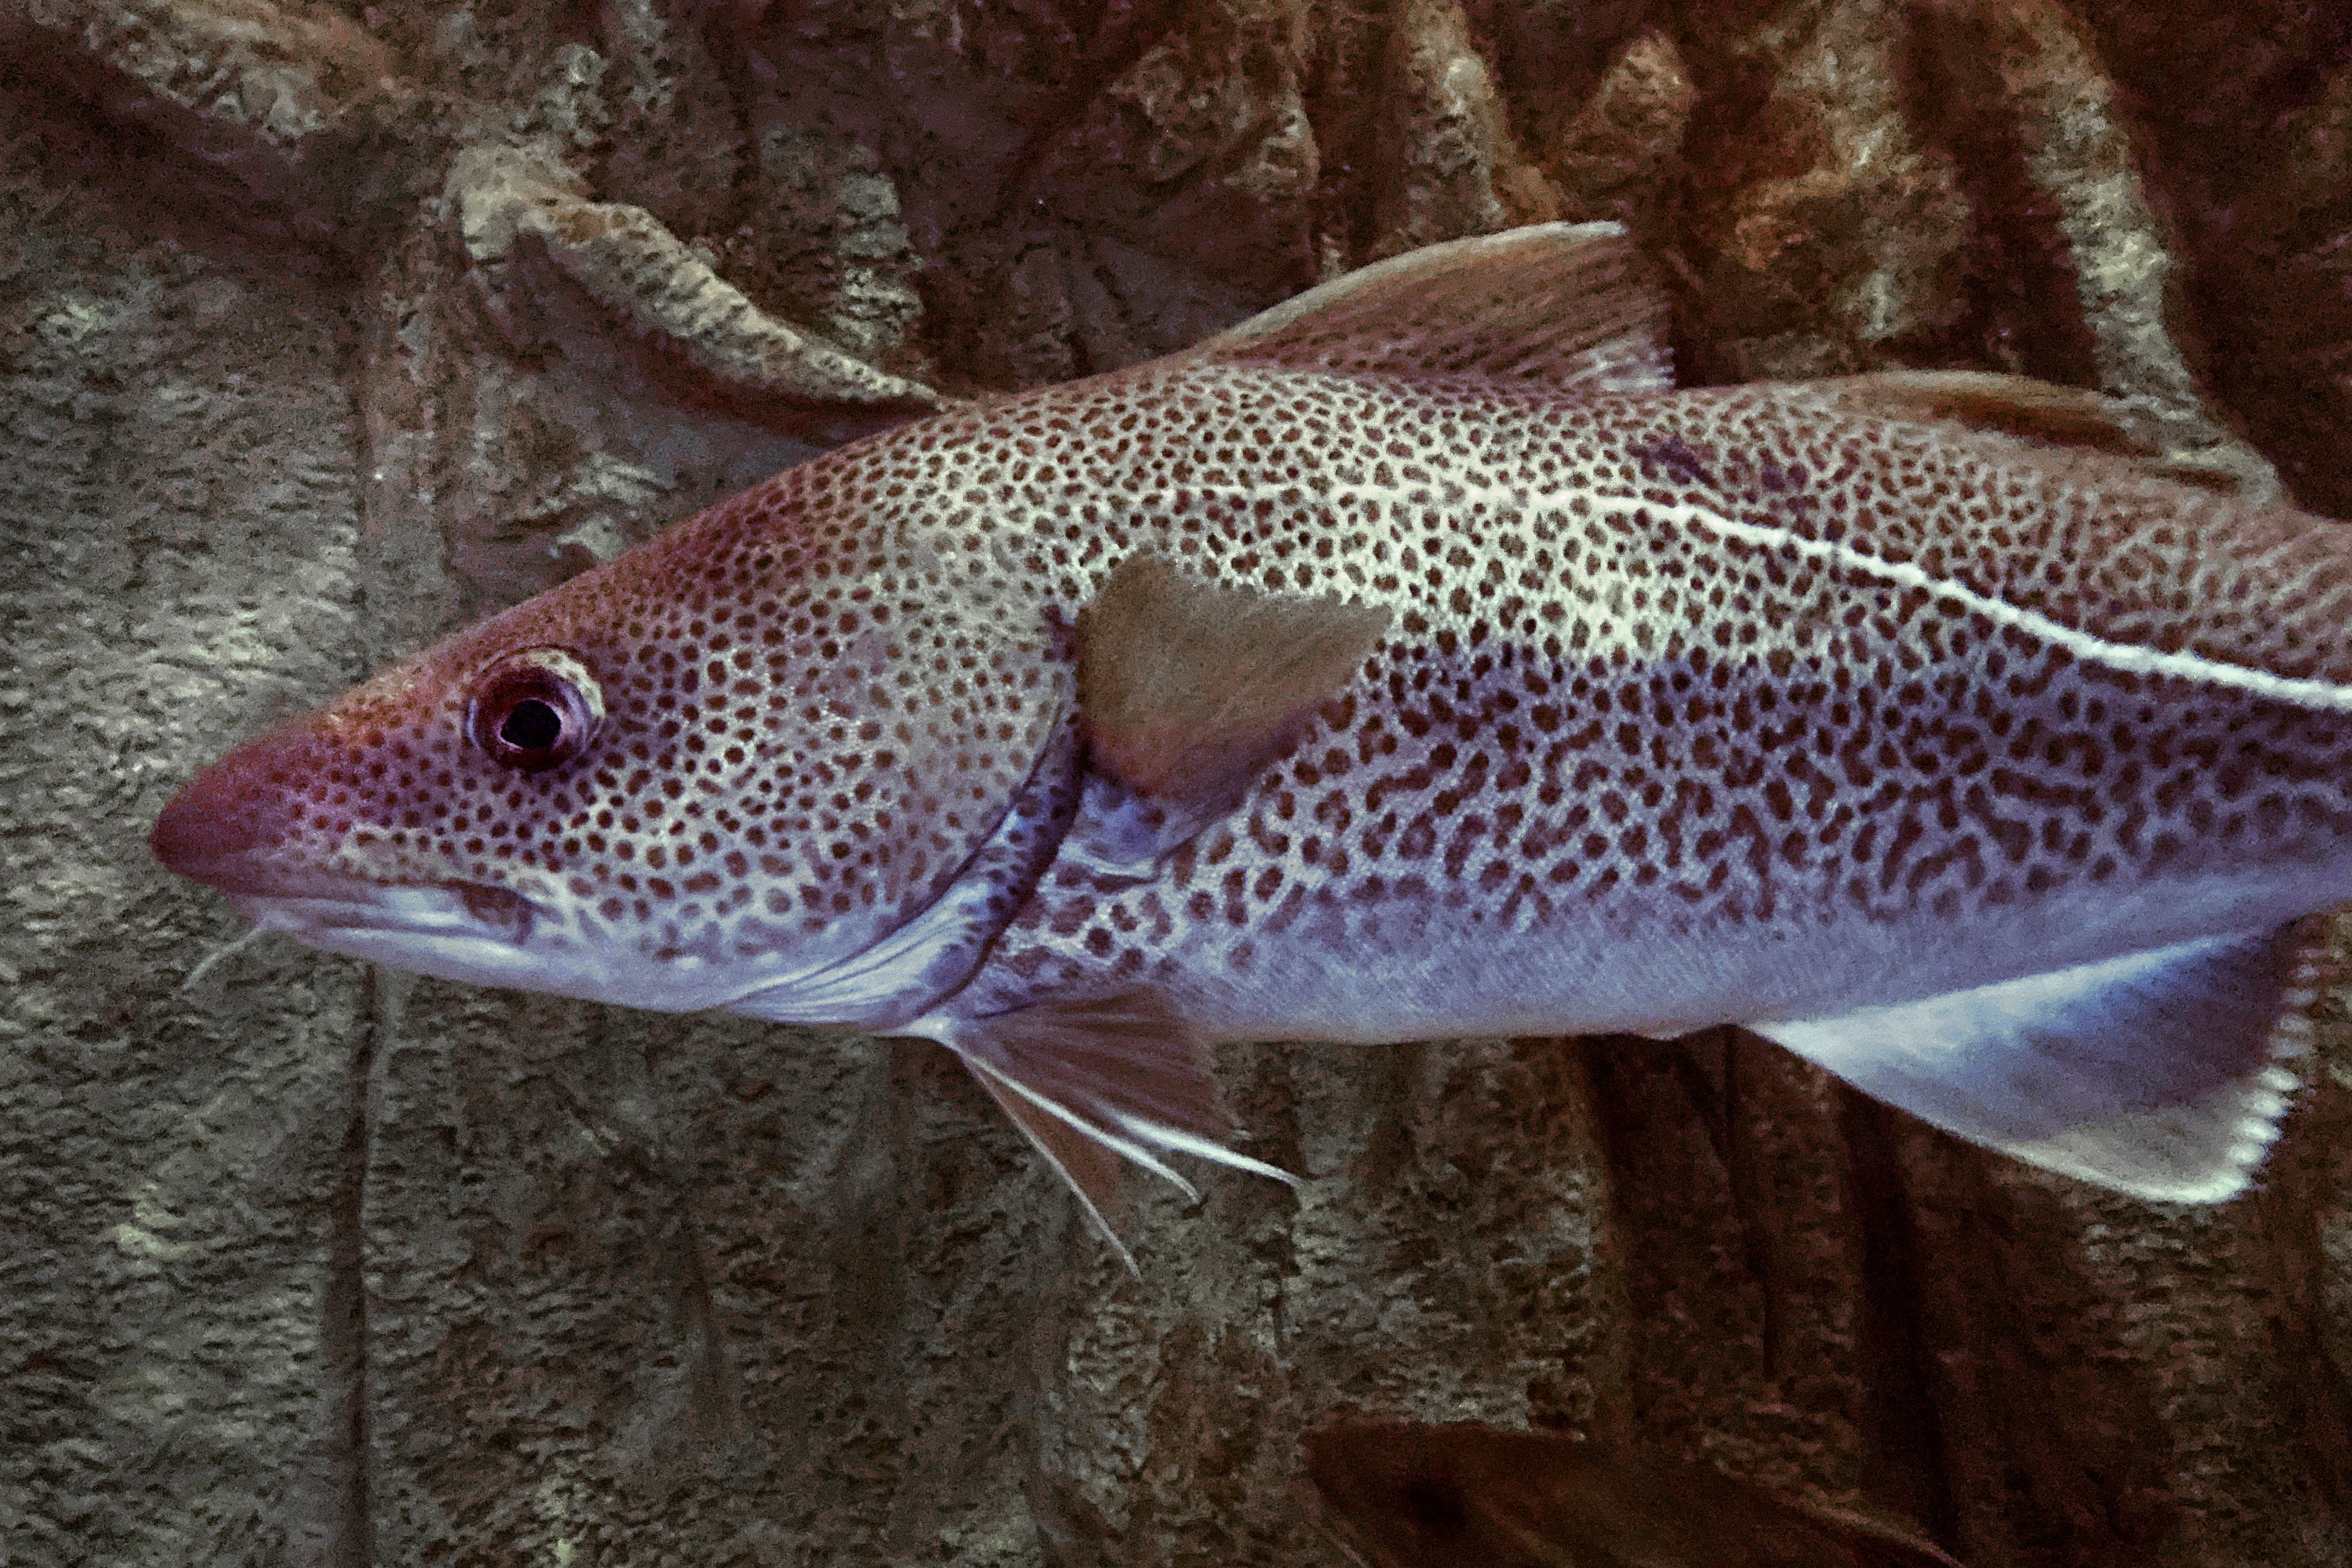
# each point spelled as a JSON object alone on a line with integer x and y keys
{"x": 1123, "y": 1076}
{"x": 2160, "y": 1074}
{"x": 1570, "y": 306}
{"x": 1189, "y": 689}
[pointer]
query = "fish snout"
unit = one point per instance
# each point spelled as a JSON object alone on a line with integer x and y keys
{"x": 222, "y": 825}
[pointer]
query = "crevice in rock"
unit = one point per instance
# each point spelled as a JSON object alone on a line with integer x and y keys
{"x": 2289, "y": 1218}
{"x": 2019, "y": 306}
{"x": 1747, "y": 1171}
{"x": 1342, "y": 105}
{"x": 148, "y": 165}
{"x": 1116, "y": 37}
{"x": 1901, "y": 1417}
{"x": 351, "y": 1541}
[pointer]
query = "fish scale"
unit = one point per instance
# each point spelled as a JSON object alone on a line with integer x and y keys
{"x": 1411, "y": 660}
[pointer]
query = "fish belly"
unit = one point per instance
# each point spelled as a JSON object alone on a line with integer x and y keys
{"x": 1521, "y": 871}
{"x": 1407, "y": 976}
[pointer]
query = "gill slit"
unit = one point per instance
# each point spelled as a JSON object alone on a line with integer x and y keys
{"x": 932, "y": 953}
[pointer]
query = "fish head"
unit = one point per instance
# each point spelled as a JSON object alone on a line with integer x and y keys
{"x": 713, "y": 769}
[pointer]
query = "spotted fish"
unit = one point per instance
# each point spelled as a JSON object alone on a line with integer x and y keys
{"x": 1412, "y": 660}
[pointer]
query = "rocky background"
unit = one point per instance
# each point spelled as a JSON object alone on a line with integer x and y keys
{"x": 326, "y": 328}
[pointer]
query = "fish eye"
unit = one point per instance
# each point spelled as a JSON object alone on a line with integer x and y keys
{"x": 535, "y": 709}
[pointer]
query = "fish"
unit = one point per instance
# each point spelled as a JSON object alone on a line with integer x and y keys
{"x": 1402, "y": 1495}
{"x": 1414, "y": 659}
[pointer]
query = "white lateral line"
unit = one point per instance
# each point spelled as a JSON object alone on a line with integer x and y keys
{"x": 2123, "y": 656}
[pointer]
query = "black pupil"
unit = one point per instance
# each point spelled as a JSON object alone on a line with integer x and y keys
{"x": 531, "y": 726}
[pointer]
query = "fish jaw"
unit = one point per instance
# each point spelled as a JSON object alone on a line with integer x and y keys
{"x": 217, "y": 832}
{"x": 438, "y": 931}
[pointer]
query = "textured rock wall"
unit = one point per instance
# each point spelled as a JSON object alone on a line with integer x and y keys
{"x": 177, "y": 517}
{"x": 325, "y": 329}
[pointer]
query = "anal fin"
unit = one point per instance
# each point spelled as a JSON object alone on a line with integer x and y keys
{"x": 1091, "y": 1083}
{"x": 2160, "y": 1074}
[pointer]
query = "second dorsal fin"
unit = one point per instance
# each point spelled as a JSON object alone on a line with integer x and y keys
{"x": 1563, "y": 305}
{"x": 1989, "y": 400}
{"x": 2039, "y": 411}
{"x": 2043, "y": 412}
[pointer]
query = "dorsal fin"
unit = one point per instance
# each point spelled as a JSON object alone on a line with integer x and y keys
{"x": 1989, "y": 400}
{"x": 1563, "y": 305}
{"x": 1189, "y": 688}
{"x": 2020, "y": 405}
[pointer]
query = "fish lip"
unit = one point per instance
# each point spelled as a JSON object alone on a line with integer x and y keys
{"x": 473, "y": 910}
{"x": 454, "y": 930}
{"x": 257, "y": 874}
{"x": 289, "y": 899}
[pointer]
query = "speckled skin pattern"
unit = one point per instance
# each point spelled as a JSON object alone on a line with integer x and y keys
{"x": 1621, "y": 765}
{"x": 1695, "y": 706}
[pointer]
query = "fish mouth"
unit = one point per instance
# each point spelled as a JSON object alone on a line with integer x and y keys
{"x": 447, "y": 926}
{"x": 333, "y": 899}
{"x": 424, "y": 908}
{"x": 454, "y": 930}
{"x": 329, "y": 907}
